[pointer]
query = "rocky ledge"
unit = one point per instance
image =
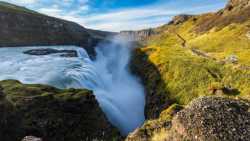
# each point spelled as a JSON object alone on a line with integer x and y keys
{"x": 48, "y": 51}
{"x": 51, "y": 114}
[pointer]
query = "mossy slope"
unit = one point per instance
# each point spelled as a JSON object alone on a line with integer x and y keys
{"x": 50, "y": 113}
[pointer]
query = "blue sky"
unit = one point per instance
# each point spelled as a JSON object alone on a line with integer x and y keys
{"x": 117, "y": 15}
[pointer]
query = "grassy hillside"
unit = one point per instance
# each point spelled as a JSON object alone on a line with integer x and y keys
{"x": 189, "y": 64}
{"x": 4, "y": 6}
{"x": 194, "y": 56}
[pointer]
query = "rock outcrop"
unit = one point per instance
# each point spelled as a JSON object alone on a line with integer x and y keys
{"x": 236, "y": 11}
{"x": 48, "y": 51}
{"x": 205, "y": 119}
{"x": 212, "y": 118}
{"x": 237, "y": 5}
{"x": 22, "y": 27}
{"x": 180, "y": 19}
{"x": 51, "y": 114}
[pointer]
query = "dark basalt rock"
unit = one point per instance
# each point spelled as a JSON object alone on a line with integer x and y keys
{"x": 48, "y": 51}
{"x": 51, "y": 114}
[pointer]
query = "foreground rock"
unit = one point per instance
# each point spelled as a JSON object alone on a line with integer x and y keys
{"x": 51, "y": 114}
{"x": 48, "y": 51}
{"x": 205, "y": 119}
{"x": 213, "y": 118}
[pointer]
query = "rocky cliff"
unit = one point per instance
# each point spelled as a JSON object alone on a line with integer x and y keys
{"x": 22, "y": 27}
{"x": 139, "y": 35}
{"x": 51, "y": 114}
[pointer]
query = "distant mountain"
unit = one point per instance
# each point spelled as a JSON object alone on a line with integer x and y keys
{"x": 20, "y": 26}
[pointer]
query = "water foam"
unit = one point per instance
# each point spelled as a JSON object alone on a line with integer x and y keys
{"x": 119, "y": 93}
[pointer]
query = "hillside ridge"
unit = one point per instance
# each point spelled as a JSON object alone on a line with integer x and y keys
{"x": 23, "y": 27}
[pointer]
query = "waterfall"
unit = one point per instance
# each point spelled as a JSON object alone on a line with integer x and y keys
{"x": 118, "y": 92}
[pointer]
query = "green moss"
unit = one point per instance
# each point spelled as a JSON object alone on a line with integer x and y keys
{"x": 170, "y": 112}
{"x": 51, "y": 113}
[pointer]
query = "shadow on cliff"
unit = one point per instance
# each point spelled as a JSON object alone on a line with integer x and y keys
{"x": 156, "y": 94}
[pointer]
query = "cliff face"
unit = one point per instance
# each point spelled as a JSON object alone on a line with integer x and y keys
{"x": 137, "y": 35}
{"x": 23, "y": 27}
{"x": 51, "y": 114}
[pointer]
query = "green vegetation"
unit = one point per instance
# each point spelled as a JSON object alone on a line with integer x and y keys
{"x": 194, "y": 56}
{"x": 51, "y": 114}
{"x": 4, "y": 6}
{"x": 178, "y": 75}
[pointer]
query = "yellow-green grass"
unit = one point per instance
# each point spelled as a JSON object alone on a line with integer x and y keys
{"x": 231, "y": 40}
{"x": 187, "y": 76}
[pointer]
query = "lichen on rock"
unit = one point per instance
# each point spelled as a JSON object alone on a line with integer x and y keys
{"x": 204, "y": 119}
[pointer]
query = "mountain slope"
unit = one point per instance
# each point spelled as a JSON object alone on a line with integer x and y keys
{"x": 22, "y": 27}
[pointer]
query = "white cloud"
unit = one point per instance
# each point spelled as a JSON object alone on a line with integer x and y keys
{"x": 21, "y": 2}
{"x": 121, "y": 19}
{"x": 134, "y": 18}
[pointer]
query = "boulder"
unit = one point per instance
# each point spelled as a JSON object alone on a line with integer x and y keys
{"x": 212, "y": 119}
{"x": 204, "y": 119}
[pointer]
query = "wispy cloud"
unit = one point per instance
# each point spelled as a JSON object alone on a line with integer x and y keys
{"x": 132, "y": 18}
{"x": 21, "y": 2}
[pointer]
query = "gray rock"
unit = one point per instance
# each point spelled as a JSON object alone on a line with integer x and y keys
{"x": 31, "y": 138}
{"x": 213, "y": 118}
{"x": 48, "y": 51}
{"x": 248, "y": 35}
{"x": 232, "y": 59}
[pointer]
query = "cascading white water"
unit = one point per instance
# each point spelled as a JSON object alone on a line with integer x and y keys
{"x": 119, "y": 93}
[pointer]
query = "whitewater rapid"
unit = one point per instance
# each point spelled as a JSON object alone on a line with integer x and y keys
{"x": 119, "y": 93}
